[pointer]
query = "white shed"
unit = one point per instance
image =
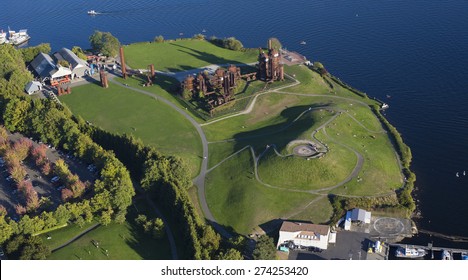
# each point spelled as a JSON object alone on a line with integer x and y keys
{"x": 33, "y": 87}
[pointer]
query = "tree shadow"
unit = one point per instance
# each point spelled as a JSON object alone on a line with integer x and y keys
{"x": 144, "y": 244}
{"x": 205, "y": 56}
{"x": 280, "y": 134}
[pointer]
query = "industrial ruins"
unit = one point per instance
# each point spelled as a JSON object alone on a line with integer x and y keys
{"x": 219, "y": 87}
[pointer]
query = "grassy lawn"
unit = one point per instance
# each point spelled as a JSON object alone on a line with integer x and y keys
{"x": 118, "y": 109}
{"x": 319, "y": 212}
{"x": 60, "y": 236}
{"x": 122, "y": 242}
{"x": 183, "y": 55}
{"x": 237, "y": 200}
{"x": 381, "y": 172}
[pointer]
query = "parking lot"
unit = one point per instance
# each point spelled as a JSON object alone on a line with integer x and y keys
{"x": 349, "y": 245}
{"x": 9, "y": 195}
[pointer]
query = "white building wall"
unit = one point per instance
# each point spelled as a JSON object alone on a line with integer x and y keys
{"x": 321, "y": 242}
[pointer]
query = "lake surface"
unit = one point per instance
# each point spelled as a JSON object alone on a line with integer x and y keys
{"x": 413, "y": 51}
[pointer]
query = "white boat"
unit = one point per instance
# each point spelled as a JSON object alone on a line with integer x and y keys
{"x": 412, "y": 253}
{"x": 303, "y": 43}
{"x": 384, "y": 106}
{"x": 3, "y": 37}
{"x": 446, "y": 255}
{"x": 18, "y": 38}
{"x": 92, "y": 13}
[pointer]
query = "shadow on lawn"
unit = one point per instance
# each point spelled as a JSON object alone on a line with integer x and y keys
{"x": 144, "y": 244}
{"x": 279, "y": 134}
{"x": 205, "y": 56}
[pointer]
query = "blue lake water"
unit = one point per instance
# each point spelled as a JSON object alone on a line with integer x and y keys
{"x": 414, "y": 51}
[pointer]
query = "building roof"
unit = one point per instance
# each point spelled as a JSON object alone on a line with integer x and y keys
{"x": 59, "y": 72}
{"x": 359, "y": 215}
{"x": 43, "y": 65}
{"x": 70, "y": 57}
{"x": 306, "y": 227}
{"x": 33, "y": 87}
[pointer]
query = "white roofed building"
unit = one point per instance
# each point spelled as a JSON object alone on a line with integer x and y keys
{"x": 304, "y": 234}
{"x": 33, "y": 87}
{"x": 78, "y": 66}
{"x": 46, "y": 69}
{"x": 357, "y": 215}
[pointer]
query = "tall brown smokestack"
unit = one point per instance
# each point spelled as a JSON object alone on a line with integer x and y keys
{"x": 152, "y": 71}
{"x": 269, "y": 44}
{"x": 104, "y": 82}
{"x": 122, "y": 63}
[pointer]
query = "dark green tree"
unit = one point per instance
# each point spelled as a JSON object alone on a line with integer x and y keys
{"x": 31, "y": 52}
{"x": 79, "y": 52}
{"x": 105, "y": 43}
{"x": 230, "y": 254}
{"x": 265, "y": 249}
{"x": 27, "y": 248}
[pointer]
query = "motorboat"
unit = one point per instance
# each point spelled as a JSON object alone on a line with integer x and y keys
{"x": 18, "y": 38}
{"x": 303, "y": 43}
{"x": 409, "y": 252}
{"x": 92, "y": 13}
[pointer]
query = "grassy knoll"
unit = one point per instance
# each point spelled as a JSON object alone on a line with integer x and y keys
{"x": 355, "y": 128}
{"x": 319, "y": 212}
{"x": 183, "y": 55}
{"x": 123, "y": 241}
{"x": 118, "y": 109}
{"x": 298, "y": 173}
{"x": 237, "y": 200}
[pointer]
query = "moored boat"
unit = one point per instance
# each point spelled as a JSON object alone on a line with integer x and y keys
{"x": 409, "y": 252}
{"x": 18, "y": 38}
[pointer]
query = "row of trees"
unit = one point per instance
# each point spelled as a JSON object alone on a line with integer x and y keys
{"x": 167, "y": 180}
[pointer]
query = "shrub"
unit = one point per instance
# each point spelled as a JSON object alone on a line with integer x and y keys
{"x": 159, "y": 39}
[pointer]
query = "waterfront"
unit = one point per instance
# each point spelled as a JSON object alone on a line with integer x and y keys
{"x": 411, "y": 51}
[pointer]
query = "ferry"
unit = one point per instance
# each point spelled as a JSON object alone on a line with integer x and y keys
{"x": 412, "y": 253}
{"x": 18, "y": 38}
